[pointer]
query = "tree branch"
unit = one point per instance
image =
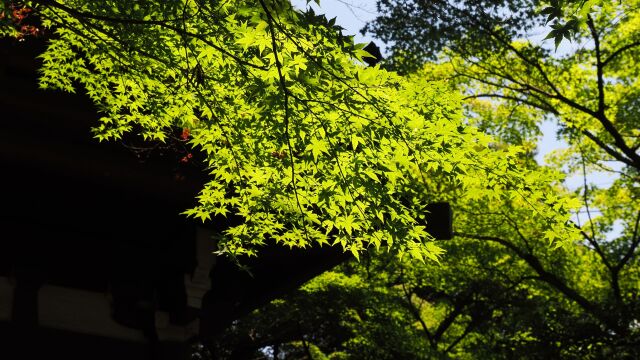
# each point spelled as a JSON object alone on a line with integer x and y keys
{"x": 162, "y": 23}
{"x": 599, "y": 67}
{"x": 544, "y": 106}
{"x": 464, "y": 334}
{"x": 518, "y": 53}
{"x": 550, "y": 279}
{"x": 616, "y": 155}
{"x": 600, "y": 115}
{"x": 585, "y": 196}
{"x": 619, "y": 51}
{"x": 416, "y": 314}
{"x": 635, "y": 241}
{"x": 448, "y": 321}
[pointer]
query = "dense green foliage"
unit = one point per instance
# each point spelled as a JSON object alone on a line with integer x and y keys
{"x": 421, "y": 38}
{"x": 301, "y": 140}
{"x": 483, "y": 304}
{"x": 501, "y": 291}
{"x": 307, "y": 145}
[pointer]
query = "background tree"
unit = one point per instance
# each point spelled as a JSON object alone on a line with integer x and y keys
{"x": 502, "y": 292}
{"x": 512, "y": 84}
{"x": 308, "y": 146}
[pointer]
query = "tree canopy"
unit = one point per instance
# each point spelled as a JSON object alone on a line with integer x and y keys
{"x": 307, "y": 145}
{"x": 501, "y": 292}
{"x": 301, "y": 140}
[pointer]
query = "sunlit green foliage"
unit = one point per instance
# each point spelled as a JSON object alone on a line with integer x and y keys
{"x": 307, "y": 145}
{"x": 502, "y": 292}
{"x": 301, "y": 140}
